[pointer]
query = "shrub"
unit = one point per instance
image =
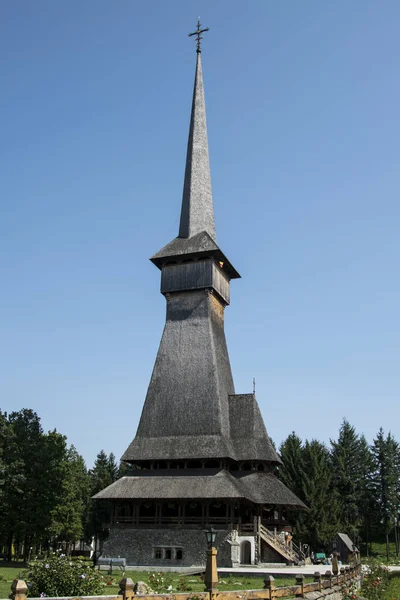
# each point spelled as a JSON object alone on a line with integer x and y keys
{"x": 161, "y": 583}
{"x": 182, "y": 586}
{"x": 349, "y": 592}
{"x": 57, "y": 575}
{"x": 376, "y": 580}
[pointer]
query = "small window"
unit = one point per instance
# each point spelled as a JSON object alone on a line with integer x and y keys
{"x": 179, "y": 554}
{"x": 168, "y": 553}
{"x": 157, "y": 552}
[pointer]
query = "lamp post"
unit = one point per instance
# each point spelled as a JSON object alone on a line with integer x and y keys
{"x": 335, "y": 562}
{"x": 211, "y": 574}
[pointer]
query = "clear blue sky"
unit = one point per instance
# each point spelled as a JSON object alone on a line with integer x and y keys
{"x": 303, "y": 115}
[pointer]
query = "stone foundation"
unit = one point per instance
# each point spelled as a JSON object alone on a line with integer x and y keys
{"x": 269, "y": 555}
{"x": 138, "y": 546}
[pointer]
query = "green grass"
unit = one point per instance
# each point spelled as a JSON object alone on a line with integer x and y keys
{"x": 393, "y": 591}
{"x": 378, "y": 551}
{"x": 7, "y": 574}
{"x": 194, "y": 582}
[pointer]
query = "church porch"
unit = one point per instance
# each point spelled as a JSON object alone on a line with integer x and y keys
{"x": 243, "y": 516}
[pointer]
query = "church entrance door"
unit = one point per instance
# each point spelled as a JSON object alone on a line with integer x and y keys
{"x": 245, "y": 553}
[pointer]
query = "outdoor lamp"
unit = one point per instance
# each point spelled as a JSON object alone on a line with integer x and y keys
{"x": 334, "y": 544}
{"x": 211, "y": 573}
{"x": 211, "y": 536}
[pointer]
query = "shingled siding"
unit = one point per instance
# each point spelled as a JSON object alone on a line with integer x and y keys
{"x": 137, "y": 546}
{"x": 186, "y": 412}
{"x": 195, "y": 275}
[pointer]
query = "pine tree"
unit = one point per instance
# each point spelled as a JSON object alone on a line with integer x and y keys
{"x": 103, "y": 474}
{"x": 306, "y": 471}
{"x": 350, "y": 462}
{"x": 386, "y": 455}
{"x": 368, "y": 506}
{"x": 113, "y": 467}
{"x": 291, "y": 473}
{"x": 319, "y": 495}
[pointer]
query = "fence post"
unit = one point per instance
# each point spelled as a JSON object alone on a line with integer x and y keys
{"x": 300, "y": 582}
{"x": 317, "y": 579}
{"x": 342, "y": 575}
{"x": 18, "y": 590}
{"x": 328, "y": 576}
{"x": 347, "y": 573}
{"x": 126, "y": 588}
{"x": 269, "y": 584}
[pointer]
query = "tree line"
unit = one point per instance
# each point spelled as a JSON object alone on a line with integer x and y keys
{"x": 349, "y": 486}
{"x": 45, "y": 487}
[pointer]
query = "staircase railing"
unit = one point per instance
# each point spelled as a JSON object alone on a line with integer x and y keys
{"x": 299, "y": 553}
{"x": 276, "y": 543}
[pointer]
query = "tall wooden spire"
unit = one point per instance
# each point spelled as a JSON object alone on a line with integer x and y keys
{"x": 197, "y": 212}
{"x": 191, "y": 410}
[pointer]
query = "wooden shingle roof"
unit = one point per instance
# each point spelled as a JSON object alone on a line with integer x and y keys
{"x": 258, "y": 487}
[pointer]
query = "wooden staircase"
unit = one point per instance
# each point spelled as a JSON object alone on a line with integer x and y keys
{"x": 288, "y": 553}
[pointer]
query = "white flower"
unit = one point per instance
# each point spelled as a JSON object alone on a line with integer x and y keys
{"x": 170, "y": 588}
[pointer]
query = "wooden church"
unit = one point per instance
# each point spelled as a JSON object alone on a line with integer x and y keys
{"x": 201, "y": 456}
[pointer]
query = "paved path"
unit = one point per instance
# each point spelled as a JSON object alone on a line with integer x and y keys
{"x": 277, "y": 570}
{"x": 256, "y": 570}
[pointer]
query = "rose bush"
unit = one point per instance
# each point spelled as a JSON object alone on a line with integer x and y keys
{"x": 376, "y": 580}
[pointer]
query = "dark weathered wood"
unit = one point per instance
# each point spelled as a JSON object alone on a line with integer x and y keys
{"x": 195, "y": 275}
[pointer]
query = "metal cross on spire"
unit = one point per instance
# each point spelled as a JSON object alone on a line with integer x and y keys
{"x": 199, "y": 36}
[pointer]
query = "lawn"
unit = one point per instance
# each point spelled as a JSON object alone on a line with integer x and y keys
{"x": 393, "y": 591}
{"x": 7, "y": 574}
{"x": 378, "y": 550}
{"x": 192, "y": 583}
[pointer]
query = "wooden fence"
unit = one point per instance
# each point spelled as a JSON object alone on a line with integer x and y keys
{"x": 299, "y": 589}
